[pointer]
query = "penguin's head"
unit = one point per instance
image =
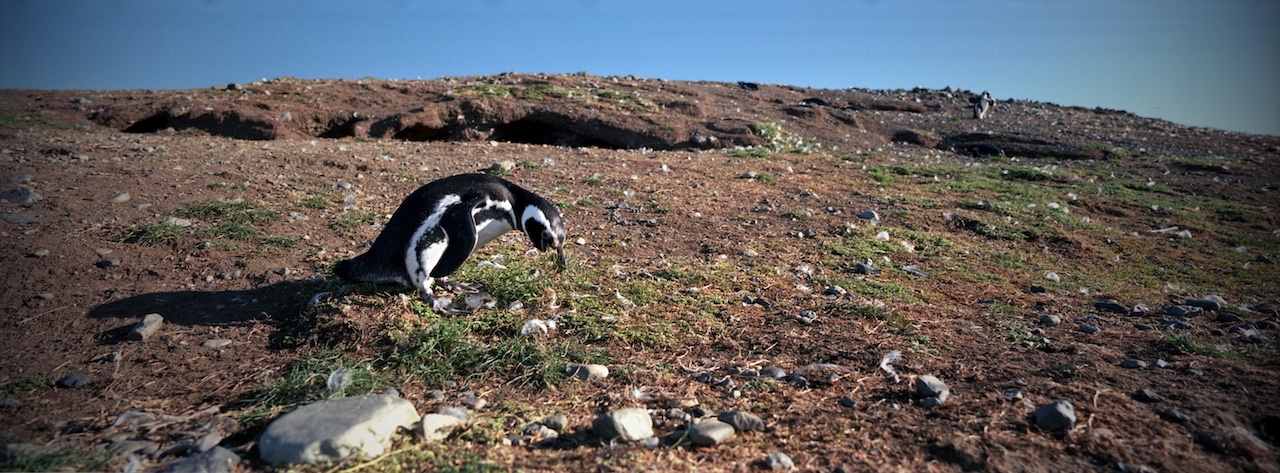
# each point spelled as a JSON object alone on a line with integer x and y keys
{"x": 541, "y": 222}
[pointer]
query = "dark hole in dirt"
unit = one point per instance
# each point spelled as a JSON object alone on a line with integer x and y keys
{"x": 540, "y": 133}
{"x": 150, "y": 124}
{"x": 422, "y": 133}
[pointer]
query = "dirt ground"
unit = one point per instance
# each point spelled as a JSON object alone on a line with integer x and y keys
{"x": 106, "y": 163}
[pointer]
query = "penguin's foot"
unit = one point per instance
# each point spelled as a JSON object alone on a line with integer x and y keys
{"x": 457, "y": 287}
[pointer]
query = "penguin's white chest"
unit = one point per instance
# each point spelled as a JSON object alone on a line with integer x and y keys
{"x": 492, "y": 220}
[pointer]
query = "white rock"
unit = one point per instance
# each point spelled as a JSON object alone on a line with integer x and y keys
{"x": 147, "y": 327}
{"x": 587, "y": 372}
{"x": 710, "y": 432}
{"x": 629, "y": 425}
{"x": 438, "y": 426}
{"x": 333, "y": 429}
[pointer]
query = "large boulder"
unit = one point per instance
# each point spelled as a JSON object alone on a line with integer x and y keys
{"x": 336, "y": 428}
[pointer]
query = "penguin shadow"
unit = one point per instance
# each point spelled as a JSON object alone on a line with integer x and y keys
{"x": 280, "y": 304}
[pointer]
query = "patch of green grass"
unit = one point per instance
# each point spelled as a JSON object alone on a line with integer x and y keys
{"x": 881, "y": 175}
{"x": 155, "y": 234}
{"x": 353, "y": 219}
{"x": 244, "y": 212}
{"x": 280, "y": 241}
{"x": 764, "y": 177}
{"x": 17, "y": 386}
{"x": 542, "y": 91}
{"x": 1185, "y": 343}
{"x": 55, "y": 458}
{"x": 306, "y": 381}
{"x": 781, "y": 140}
{"x": 796, "y": 214}
{"x": 594, "y": 181}
{"x": 9, "y": 119}
{"x": 234, "y": 231}
{"x": 315, "y": 202}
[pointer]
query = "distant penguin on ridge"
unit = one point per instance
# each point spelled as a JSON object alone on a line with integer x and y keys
{"x": 983, "y": 105}
{"x": 439, "y": 225}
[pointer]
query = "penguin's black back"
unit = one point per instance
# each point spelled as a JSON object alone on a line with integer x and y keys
{"x": 385, "y": 260}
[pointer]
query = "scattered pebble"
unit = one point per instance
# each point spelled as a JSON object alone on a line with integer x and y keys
{"x": 22, "y": 196}
{"x": 1206, "y": 304}
{"x": 870, "y": 215}
{"x": 914, "y": 271}
{"x": 1147, "y": 395}
{"x": 146, "y": 327}
{"x": 1053, "y": 277}
{"x": 932, "y": 390}
{"x": 108, "y": 262}
{"x": 779, "y": 461}
{"x": 19, "y": 218}
{"x": 1051, "y": 320}
{"x": 1163, "y": 364}
{"x": 773, "y": 372}
{"x": 215, "y": 343}
{"x": 557, "y": 422}
{"x": 587, "y": 372}
{"x": 1172, "y": 415}
{"x": 1089, "y": 328}
{"x": 120, "y": 198}
{"x": 629, "y": 425}
{"x": 846, "y": 401}
{"x": 865, "y": 268}
{"x": 1111, "y": 306}
{"x": 73, "y": 381}
{"x": 1130, "y": 363}
{"x": 1181, "y": 310}
{"x": 454, "y": 411}
{"x": 710, "y": 432}
{"x": 1011, "y": 394}
{"x": 1056, "y": 416}
{"x": 742, "y": 421}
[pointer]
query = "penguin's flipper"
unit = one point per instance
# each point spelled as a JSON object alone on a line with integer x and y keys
{"x": 460, "y": 228}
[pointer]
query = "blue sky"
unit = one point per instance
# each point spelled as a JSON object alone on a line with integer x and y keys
{"x": 1212, "y": 63}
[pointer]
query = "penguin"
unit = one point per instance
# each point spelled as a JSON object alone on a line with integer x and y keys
{"x": 983, "y": 105}
{"x": 439, "y": 225}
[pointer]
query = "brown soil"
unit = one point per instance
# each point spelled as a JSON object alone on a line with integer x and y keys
{"x": 279, "y": 141}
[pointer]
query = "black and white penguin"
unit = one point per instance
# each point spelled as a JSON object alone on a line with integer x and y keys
{"x": 983, "y": 105}
{"x": 439, "y": 225}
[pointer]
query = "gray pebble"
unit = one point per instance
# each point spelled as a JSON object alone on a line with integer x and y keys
{"x": 1011, "y": 394}
{"x": 214, "y": 460}
{"x": 215, "y": 343}
{"x": 773, "y": 372}
{"x": 676, "y": 414}
{"x": 865, "y": 268}
{"x": 1143, "y": 327}
{"x": 779, "y": 461}
{"x": 435, "y": 394}
{"x": 710, "y": 432}
{"x": 19, "y": 178}
{"x": 120, "y": 198}
{"x": 1181, "y": 310}
{"x": 1163, "y": 364}
{"x": 1268, "y": 324}
{"x": 1172, "y": 415}
{"x": 454, "y": 411}
{"x": 1089, "y": 328}
{"x": 108, "y": 263}
{"x": 629, "y": 425}
{"x": 846, "y": 401}
{"x": 125, "y": 447}
{"x": 807, "y": 317}
{"x": 1227, "y": 317}
{"x": 742, "y": 421}
{"x": 73, "y": 381}
{"x": 21, "y": 196}
{"x": 870, "y": 215}
{"x": 1147, "y": 395}
{"x": 1130, "y": 363}
{"x": 1208, "y": 304}
{"x": 1111, "y": 306}
{"x": 19, "y": 218}
{"x": 750, "y": 253}
{"x": 557, "y": 422}
{"x": 587, "y": 372}
{"x": 914, "y": 271}
{"x": 1050, "y": 319}
{"x": 930, "y": 387}
{"x": 208, "y": 441}
{"x": 146, "y": 327}
{"x": 1056, "y": 416}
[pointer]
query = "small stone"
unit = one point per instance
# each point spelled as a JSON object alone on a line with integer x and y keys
{"x": 742, "y": 421}
{"x": 435, "y": 395}
{"x": 126, "y": 447}
{"x": 1089, "y": 328}
{"x": 1147, "y": 395}
{"x": 1143, "y": 327}
{"x": 865, "y": 268}
{"x": 1163, "y": 364}
{"x": 710, "y": 432}
{"x": 1051, "y": 320}
{"x": 928, "y": 386}
{"x": 1056, "y": 416}
{"x": 1130, "y": 363}
{"x": 73, "y": 381}
{"x": 213, "y": 460}
{"x": 120, "y": 198}
{"x": 846, "y": 401}
{"x": 19, "y": 178}
{"x": 454, "y": 411}
{"x": 629, "y": 425}
{"x": 1052, "y": 276}
{"x": 1182, "y": 310}
{"x": 1172, "y": 415}
{"x": 1205, "y": 304}
{"x": 438, "y": 426}
{"x": 21, "y": 196}
{"x": 779, "y": 461}
{"x": 208, "y": 441}
{"x": 773, "y": 372}
{"x": 1111, "y": 306}
{"x": 19, "y": 218}
{"x": 40, "y": 253}
{"x": 914, "y": 271}
{"x": 587, "y": 372}
{"x": 147, "y": 327}
{"x": 178, "y": 222}
{"x": 108, "y": 263}
{"x": 557, "y": 422}
{"x": 1227, "y": 317}
{"x": 333, "y": 429}
{"x": 750, "y": 253}
{"x": 215, "y": 343}
{"x": 870, "y": 215}
{"x": 1011, "y": 394}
